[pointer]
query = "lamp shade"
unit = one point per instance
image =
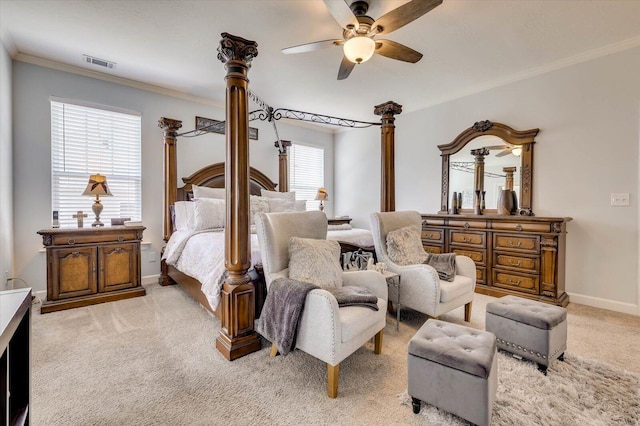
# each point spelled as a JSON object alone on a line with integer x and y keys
{"x": 359, "y": 49}
{"x": 97, "y": 186}
{"x": 322, "y": 194}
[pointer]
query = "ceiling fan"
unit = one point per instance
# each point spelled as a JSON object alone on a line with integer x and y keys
{"x": 359, "y": 30}
{"x": 506, "y": 149}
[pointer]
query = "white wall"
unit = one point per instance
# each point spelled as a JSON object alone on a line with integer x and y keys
{"x": 587, "y": 149}
{"x": 6, "y": 169}
{"x": 33, "y": 85}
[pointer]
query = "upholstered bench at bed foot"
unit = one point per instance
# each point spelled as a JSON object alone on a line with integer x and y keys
{"x": 530, "y": 329}
{"x": 454, "y": 368}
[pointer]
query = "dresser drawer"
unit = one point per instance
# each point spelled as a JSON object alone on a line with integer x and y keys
{"x": 519, "y": 282}
{"x": 433, "y": 235}
{"x": 481, "y": 275}
{"x": 468, "y": 238}
{"x": 519, "y": 243}
{"x": 522, "y": 226}
{"x": 103, "y": 236}
{"x": 515, "y": 262}
{"x": 479, "y": 257}
{"x": 432, "y": 249}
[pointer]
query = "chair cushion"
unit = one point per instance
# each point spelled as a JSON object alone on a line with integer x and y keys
{"x": 404, "y": 246}
{"x": 355, "y": 320}
{"x": 456, "y": 346}
{"x": 315, "y": 261}
{"x": 530, "y": 312}
{"x": 460, "y": 286}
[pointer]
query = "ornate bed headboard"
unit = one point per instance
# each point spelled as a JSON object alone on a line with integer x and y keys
{"x": 213, "y": 177}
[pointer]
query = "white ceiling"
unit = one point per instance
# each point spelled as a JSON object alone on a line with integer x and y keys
{"x": 468, "y": 45}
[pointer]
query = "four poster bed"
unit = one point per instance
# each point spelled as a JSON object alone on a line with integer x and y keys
{"x": 242, "y": 288}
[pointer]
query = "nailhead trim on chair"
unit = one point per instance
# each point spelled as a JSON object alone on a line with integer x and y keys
{"x": 525, "y": 350}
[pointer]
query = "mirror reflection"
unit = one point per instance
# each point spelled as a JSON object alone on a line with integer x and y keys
{"x": 462, "y": 167}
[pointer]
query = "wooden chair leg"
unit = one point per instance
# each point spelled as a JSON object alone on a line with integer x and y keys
{"x": 274, "y": 350}
{"x": 467, "y": 312}
{"x": 378, "y": 342}
{"x": 333, "y": 372}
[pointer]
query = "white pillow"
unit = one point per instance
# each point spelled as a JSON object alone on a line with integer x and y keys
{"x": 315, "y": 261}
{"x": 257, "y": 205}
{"x": 277, "y": 205}
{"x": 276, "y": 194}
{"x": 206, "y": 192}
{"x": 404, "y": 246}
{"x": 184, "y": 215}
{"x": 209, "y": 213}
{"x": 301, "y": 206}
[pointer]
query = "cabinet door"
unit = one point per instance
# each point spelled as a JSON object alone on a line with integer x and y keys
{"x": 73, "y": 272}
{"x": 119, "y": 266}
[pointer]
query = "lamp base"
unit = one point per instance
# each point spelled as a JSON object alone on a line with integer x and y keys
{"x": 97, "y": 209}
{"x": 321, "y": 207}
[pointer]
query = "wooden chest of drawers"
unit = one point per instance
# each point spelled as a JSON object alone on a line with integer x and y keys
{"x": 91, "y": 265}
{"x": 517, "y": 255}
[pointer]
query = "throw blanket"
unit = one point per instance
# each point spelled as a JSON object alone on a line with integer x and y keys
{"x": 444, "y": 264}
{"x": 354, "y": 295}
{"x": 282, "y": 311}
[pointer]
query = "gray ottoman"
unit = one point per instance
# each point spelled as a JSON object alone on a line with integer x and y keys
{"x": 530, "y": 329}
{"x": 454, "y": 368}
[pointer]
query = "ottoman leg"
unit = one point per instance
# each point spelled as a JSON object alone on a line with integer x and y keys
{"x": 415, "y": 402}
{"x": 561, "y": 357}
{"x": 543, "y": 369}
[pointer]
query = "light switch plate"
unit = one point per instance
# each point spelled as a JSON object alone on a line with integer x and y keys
{"x": 620, "y": 199}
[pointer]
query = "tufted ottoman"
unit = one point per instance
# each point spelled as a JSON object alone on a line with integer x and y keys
{"x": 530, "y": 329}
{"x": 454, "y": 368}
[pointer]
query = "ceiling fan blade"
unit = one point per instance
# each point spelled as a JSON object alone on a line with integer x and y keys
{"x": 398, "y": 51}
{"x": 342, "y": 13}
{"x": 310, "y": 47}
{"x": 402, "y": 15}
{"x": 346, "y": 66}
{"x": 498, "y": 147}
{"x": 503, "y": 153}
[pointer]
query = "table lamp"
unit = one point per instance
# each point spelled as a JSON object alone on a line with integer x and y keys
{"x": 322, "y": 196}
{"x": 97, "y": 186}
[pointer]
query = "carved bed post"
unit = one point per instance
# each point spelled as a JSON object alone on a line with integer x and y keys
{"x": 388, "y": 111}
{"x": 170, "y": 127}
{"x": 237, "y": 336}
{"x": 283, "y": 165}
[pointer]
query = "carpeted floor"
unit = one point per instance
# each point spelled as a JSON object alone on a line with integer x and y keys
{"x": 152, "y": 361}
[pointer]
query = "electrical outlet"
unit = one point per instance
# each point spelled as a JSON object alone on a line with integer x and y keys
{"x": 620, "y": 199}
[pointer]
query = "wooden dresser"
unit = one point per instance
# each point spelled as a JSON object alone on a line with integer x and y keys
{"x": 86, "y": 266}
{"x": 517, "y": 255}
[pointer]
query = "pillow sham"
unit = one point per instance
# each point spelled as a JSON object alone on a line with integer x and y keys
{"x": 277, "y": 205}
{"x": 276, "y": 194}
{"x": 257, "y": 205}
{"x": 206, "y": 192}
{"x": 301, "y": 206}
{"x": 315, "y": 261}
{"x": 404, "y": 246}
{"x": 209, "y": 213}
{"x": 183, "y": 219}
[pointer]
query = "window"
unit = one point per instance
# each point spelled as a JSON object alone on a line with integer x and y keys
{"x": 306, "y": 172}
{"x": 94, "y": 140}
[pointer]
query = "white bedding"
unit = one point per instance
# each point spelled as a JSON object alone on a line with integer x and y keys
{"x": 200, "y": 254}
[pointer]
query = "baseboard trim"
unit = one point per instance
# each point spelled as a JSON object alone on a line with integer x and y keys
{"x": 611, "y": 305}
{"x": 150, "y": 279}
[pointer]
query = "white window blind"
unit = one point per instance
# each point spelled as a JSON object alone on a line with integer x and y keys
{"x": 86, "y": 141}
{"x": 306, "y": 173}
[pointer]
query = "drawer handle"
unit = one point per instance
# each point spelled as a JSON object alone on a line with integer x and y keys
{"x": 120, "y": 238}
{"x": 515, "y": 245}
{"x": 429, "y": 236}
{"x": 516, "y": 282}
{"x": 466, "y": 225}
{"x": 71, "y": 241}
{"x": 466, "y": 239}
{"x": 118, "y": 250}
{"x": 518, "y": 227}
{"x": 75, "y": 253}
{"x": 512, "y": 263}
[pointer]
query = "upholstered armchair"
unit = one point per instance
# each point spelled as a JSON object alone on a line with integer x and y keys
{"x": 422, "y": 289}
{"x": 325, "y": 331}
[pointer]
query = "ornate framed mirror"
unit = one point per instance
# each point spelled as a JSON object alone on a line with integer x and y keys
{"x": 502, "y": 148}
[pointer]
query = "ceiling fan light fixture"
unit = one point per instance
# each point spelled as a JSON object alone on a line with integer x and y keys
{"x": 517, "y": 151}
{"x": 359, "y": 49}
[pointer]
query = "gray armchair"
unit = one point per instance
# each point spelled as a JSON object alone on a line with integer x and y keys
{"x": 422, "y": 289}
{"x": 325, "y": 331}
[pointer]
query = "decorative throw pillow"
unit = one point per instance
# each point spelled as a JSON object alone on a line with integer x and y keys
{"x": 276, "y": 194}
{"x": 257, "y": 205}
{"x": 206, "y": 192}
{"x": 404, "y": 246}
{"x": 277, "y": 205}
{"x": 315, "y": 261}
{"x": 301, "y": 206}
{"x": 183, "y": 219}
{"x": 209, "y": 213}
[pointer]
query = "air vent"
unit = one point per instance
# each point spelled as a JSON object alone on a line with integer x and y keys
{"x": 99, "y": 62}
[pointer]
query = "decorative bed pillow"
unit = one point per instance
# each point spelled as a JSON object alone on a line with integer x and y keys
{"x": 277, "y": 205}
{"x": 276, "y": 194}
{"x": 404, "y": 246}
{"x": 209, "y": 213}
{"x": 315, "y": 261}
{"x": 206, "y": 192}
{"x": 301, "y": 206}
{"x": 257, "y": 205}
{"x": 184, "y": 212}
